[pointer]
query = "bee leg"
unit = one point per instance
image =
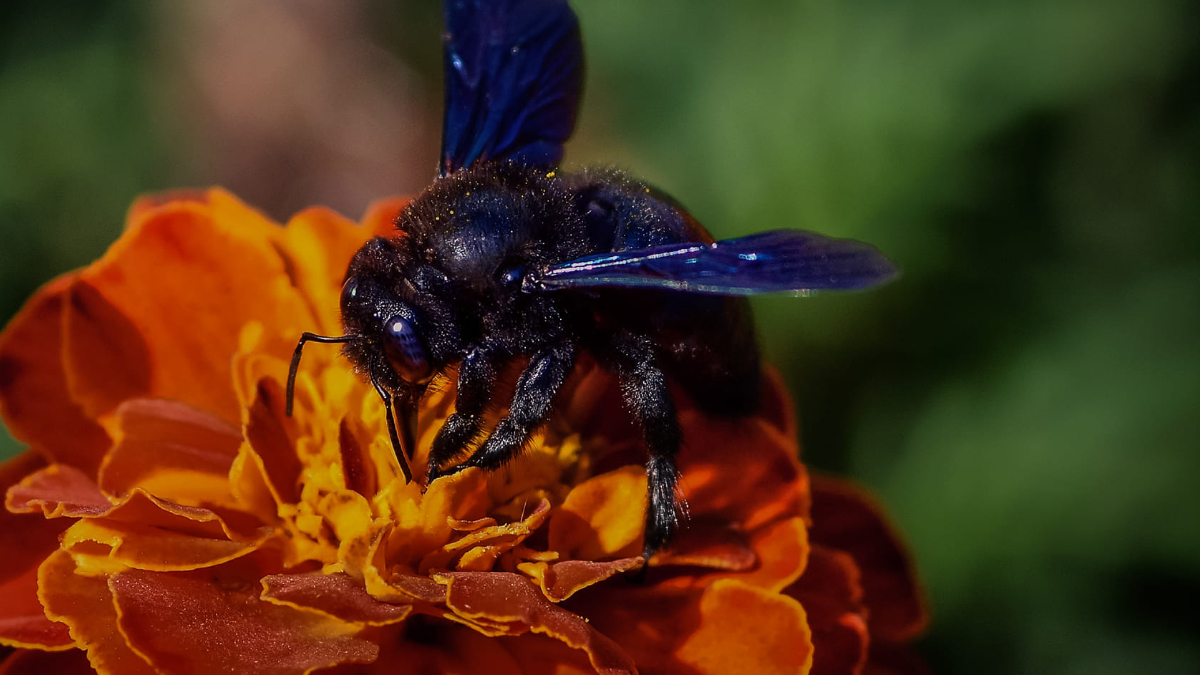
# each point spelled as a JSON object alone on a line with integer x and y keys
{"x": 536, "y": 387}
{"x": 476, "y": 380}
{"x": 644, "y": 389}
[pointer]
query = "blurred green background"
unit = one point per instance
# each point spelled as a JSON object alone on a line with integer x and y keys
{"x": 1026, "y": 399}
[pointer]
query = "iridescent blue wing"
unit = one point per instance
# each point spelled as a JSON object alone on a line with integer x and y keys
{"x": 514, "y": 71}
{"x": 783, "y": 261}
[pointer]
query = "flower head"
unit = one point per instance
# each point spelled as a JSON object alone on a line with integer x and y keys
{"x": 169, "y": 517}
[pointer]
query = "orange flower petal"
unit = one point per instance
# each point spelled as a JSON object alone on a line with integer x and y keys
{"x": 470, "y": 525}
{"x": 478, "y": 550}
{"x": 720, "y": 484}
{"x": 466, "y": 652}
{"x": 380, "y": 218}
{"x": 34, "y": 399}
{"x": 727, "y": 627}
{"x": 736, "y": 507}
{"x": 212, "y": 620}
{"x": 649, "y": 623}
{"x": 150, "y": 549}
{"x": 22, "y": 621}
{"x": 778, "y": 553}
{"x": 142, "y": 508}
{"x": 711, "y": 545}
{"x": 106, "y": 358}
{"x": 831, "y": 595}
{"x": 272, "y": 435}
{"x": 560, "y": 581}
{"x": 415, "y": 587}
{"x": 319, "y": 245}
{"x": 781, "y": 550}
{"x": 171, "y": 449}
{"x": 250, "y": 486}
{"x": 456, "y": 498}
{"x": 502, "y": 598}
{"x": 777, "y": 641}
{"x": 443, "y": 649}
{"x": 602, "y": 518}
{"x": 337, "y": 595}
{"x": 25, "y": 539}
{"x": 360, "y": 473}
{"x": 593, "y": 408}
{"x": 33, "y": 662}
{"x": 86, "y": 605}
{"x": 148, "y": 533}
{"x": 144, "y": 205}
{"x": 189, "y": 276}
{"x": 539, "y": 655}
{"x": 59, "y": 491}
{"x": 846, "y": 518}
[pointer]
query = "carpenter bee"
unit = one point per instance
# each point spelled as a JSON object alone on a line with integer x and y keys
{"x": 506, "y": 257}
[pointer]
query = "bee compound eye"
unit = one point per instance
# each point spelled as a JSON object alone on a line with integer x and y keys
{"x": 349, "y": 291}
{"x": 406, "y": 350}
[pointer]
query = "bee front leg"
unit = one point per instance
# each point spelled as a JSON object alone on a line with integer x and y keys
{"x": 476, "y": 381}
{"x": 538, "y": 384}
{"x": 644, "y": 388}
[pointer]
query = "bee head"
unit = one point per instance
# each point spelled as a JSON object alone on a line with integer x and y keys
{"x": 380, "y": 313}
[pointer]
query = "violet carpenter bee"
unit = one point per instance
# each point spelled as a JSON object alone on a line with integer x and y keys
{"x": 506, "y": 257}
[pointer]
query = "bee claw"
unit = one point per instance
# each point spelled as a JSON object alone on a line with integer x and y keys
{"x": 433, "y": 475}
{"x": 457, "y": 468}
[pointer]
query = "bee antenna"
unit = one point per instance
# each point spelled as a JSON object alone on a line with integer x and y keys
{"x": 307, "y": 337}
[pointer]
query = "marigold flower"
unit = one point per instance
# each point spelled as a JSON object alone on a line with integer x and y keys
{"x": 168, "y": 517}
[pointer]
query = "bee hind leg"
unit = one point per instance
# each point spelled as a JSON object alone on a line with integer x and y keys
{"x": 644, "y": 389}
{"x": 540, "y": 381}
